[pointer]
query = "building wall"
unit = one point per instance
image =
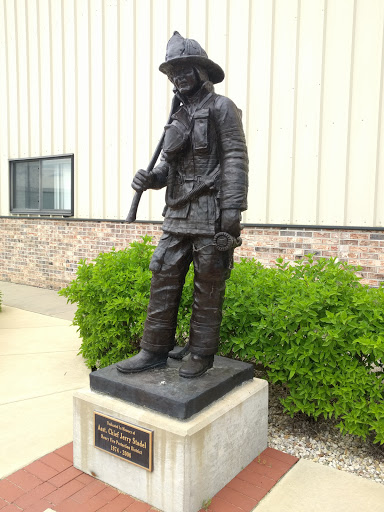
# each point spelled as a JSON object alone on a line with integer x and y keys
{"x": 46, "y": 253}
{"x": 81, "y": 77}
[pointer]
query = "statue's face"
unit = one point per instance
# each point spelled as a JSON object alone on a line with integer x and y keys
{"x": 185, "y": 80}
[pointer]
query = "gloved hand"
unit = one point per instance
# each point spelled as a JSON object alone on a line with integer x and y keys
{"x": 141, "y": 181}
{"x": 230, "y": 221}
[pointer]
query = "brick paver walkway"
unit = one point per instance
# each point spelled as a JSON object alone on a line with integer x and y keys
{"x": 53, "y": 483}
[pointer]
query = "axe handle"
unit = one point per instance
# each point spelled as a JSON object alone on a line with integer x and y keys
{"x": 131, "y": 217}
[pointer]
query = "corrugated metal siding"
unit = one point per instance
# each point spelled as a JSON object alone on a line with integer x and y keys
{"x": 81, "y": 76}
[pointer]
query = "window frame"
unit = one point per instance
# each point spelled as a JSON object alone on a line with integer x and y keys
{"x": 40, "y": 211}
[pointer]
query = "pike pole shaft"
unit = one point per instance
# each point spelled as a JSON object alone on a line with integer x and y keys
{"x": 131, "y": 217}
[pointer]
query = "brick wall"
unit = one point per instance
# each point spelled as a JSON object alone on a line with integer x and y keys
{"x": 45, "y": 253}
{"x": 357, "y": 247}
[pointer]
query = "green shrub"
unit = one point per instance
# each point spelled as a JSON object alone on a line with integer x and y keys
{"x": 315, "y": 328}
{"x": 318, "y": 331}
{"x": 112, "y": 295}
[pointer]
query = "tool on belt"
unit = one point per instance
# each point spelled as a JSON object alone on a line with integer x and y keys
{"x": 224, "y": 241}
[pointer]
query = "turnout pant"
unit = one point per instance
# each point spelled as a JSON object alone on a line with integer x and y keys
{"x": 169, "y": 265}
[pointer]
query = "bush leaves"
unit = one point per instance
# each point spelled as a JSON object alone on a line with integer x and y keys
{"x": 312, "y": 324}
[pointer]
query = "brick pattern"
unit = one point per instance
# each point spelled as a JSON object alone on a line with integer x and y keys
{"x": 357, "y": 247}
{"x": 244, "y": 492}
{"x": 53, "y": 483}
{"x": 46, "y": 253}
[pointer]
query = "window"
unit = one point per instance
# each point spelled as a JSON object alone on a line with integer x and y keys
{"x": 42, "y": 186}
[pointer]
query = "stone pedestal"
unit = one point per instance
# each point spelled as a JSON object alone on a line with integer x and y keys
{"x": 192, "y": 458}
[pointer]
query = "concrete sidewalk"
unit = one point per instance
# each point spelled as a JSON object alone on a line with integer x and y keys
{"x": 313, "y": 487}
{"x": 37, "y": 300}
{"x": 39, "y": 370}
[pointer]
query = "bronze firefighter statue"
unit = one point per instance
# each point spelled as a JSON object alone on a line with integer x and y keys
{"x": 204, "y": 167}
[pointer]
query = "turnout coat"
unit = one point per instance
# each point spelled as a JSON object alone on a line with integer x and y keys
{"x": 204, "y": 164}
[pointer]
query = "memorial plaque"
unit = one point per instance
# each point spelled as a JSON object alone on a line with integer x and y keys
{"x": 129, "y": 442}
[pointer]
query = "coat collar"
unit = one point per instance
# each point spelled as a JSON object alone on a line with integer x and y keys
{"x": 192, "y": 103}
